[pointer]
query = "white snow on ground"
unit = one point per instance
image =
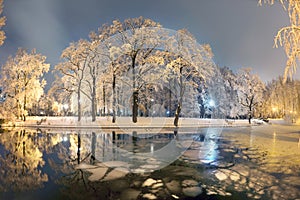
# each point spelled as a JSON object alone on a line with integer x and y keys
{"x": 283, "y": 122}
{"x": 127, "y": 122}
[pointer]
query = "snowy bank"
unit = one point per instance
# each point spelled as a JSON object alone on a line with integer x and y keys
{"x": 124, "y": 122}
{"x": 285, "y": 121}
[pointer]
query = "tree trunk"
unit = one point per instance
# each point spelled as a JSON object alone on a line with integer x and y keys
{"x": 114, "y": 98}
{"x": 179, "y": 106}
{"x": 104, "y": 99}
{"x": 170, "y": 99}
{"x": 18, "y": 109}
{"x": 78, "y": 148}
{"x": 24, "y": 107}
{"x": 177, "y": 113}
{"x": 250, "y": 115}
{"x": 94, "y": 103}
{"x": 146, "y": 108}
{"x": 134, "y": 93}
{"x": 79, "y": 104}
{"x": 93, "y": 110}
{"x": 250, "y": 109}
{"x": 135, "y": 106}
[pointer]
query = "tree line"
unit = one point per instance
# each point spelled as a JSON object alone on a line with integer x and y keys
{"x": 138, "y": 68}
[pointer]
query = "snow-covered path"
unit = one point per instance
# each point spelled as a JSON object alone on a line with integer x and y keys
{"x": 124, "y": 122}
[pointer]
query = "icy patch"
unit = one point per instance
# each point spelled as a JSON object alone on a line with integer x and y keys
{"x": 174, "y": 187}
{"x": 130, "y": 194}
{"x": 221, "y": 176}
{"x": 97, "y": 173}
{"x": 149, "y": 182}
{"x": 191, "y": 188}
{"x": 234, "y": 176}
{"x": 149, "y": 196}
{"x": 189, "y": 183}
{"x": 206, "y": 161}
{"x": 138, "y": 170}
{"x": 157, "y": 185}
{"x": 116, "y": 164}
{"x": 85, "y": 166}
{"x": 116, "y": 174}
{"x": 192, "y": 191}
{"x": 150, "y": 166}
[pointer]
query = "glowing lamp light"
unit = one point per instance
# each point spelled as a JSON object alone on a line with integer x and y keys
{"x": 65, "y": 138}
{"x": 211, "y": 103}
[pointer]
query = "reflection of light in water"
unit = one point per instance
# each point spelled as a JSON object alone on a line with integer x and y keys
{"x": 251, "y": 139}
{"x": 152, "y": 148}
{"x": 208, "y": 152}
{"x": 274, "y": 142}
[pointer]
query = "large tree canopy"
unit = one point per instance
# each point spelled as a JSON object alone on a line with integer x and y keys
{"x": 289, "y": 36}
{"x": 22, "y": 81}
{"x": 2, "y": 23}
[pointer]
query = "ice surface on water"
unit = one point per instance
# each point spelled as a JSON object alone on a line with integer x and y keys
{"x": 261, "y": 162}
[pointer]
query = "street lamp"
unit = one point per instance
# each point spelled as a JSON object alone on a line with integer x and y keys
{"x": 65, "y": 108}
{"x": 274, "y": 110}
{"x": 212, "y": 105}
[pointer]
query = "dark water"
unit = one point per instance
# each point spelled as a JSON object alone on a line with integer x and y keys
{"x": 260, "y": 162}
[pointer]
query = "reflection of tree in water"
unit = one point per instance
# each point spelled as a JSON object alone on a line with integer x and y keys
{"x": 79, "y": 149}
{"x": 21, "y": 161}
{"x": 211, "y": 168}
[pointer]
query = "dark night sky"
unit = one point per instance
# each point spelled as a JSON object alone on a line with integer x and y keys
{"x": 240, "y": 32}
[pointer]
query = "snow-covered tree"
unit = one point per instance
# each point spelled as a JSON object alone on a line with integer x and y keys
{"x": 2, "y": 23}
{"x": 282, "y": 100}
{"x": 231, "y": 98}
{"x": 72, "y": 71}
{"x": 250, "y": 91}
{"x": 111, "y": 59}
{"x": 138, "y": 41}
{"x": 42, "y": 106}
{"x": 22, "y": 81}
{"x": 130, "y": 56}
{"x": 187, "y": 63}
{"x": 289, "y": 36}
{"x": 217, "y": 101}
{"x": 93, "y": 70}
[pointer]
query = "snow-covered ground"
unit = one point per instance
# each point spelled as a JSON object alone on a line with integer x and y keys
{"x": 284, "y": 122}
{"x": 126, "y": 122}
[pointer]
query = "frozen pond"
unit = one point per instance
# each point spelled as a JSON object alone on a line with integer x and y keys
{"x": 260, "y": 162}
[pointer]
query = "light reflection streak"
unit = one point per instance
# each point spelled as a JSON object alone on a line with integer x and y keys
{"x": 208, "y": 153}
{"x": 274, "y": 142}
